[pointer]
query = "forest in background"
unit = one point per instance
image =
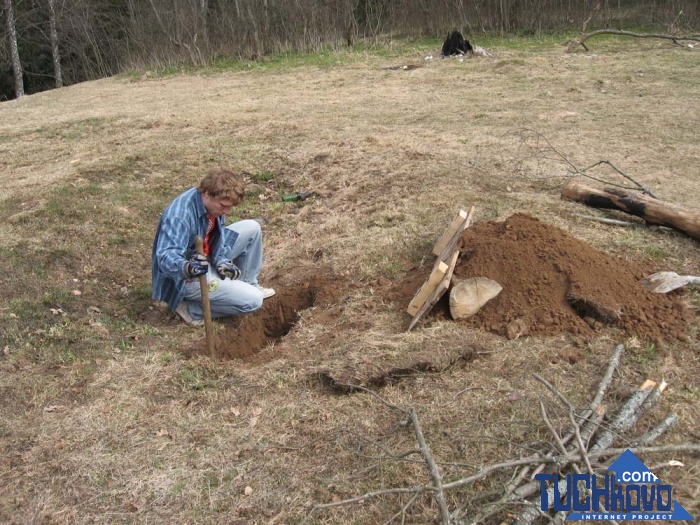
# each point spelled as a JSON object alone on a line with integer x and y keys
{"x": 51, "y": 43}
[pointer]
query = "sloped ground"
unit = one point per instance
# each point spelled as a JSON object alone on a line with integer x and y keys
{"x": 111, "y": 412}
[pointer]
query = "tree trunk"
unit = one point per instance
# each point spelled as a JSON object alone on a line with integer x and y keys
{"x": 651, "y": 210}
{"x": 58, "y": 75}
{"x": 203, "y": 12}
{"x": 14, "y": 50}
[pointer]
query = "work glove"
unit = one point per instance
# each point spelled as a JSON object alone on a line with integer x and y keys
{"x": 197, "y": 265}
{"x": 228, "y": 269}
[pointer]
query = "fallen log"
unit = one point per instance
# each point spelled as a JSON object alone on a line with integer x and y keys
{"x": 580, "y": 42}
{"x": 653, "y": 211}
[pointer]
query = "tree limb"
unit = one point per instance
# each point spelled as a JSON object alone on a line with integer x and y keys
{"x": 434, "y": 469}
{"x": 537, "y": 147}
{"x": 607, "y": 378}
{"x": 425, "y": 452}
{"x": 622, "y": 174}
{"x": 675, "y": 38}
{"x": 370, "y": 495}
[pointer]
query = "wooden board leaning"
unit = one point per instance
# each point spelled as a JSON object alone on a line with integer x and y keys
{"x": 439, "y": 280}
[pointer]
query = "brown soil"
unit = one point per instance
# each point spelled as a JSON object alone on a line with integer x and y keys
{"x": 554, "y": 283}
{"x": 245, "y": 336}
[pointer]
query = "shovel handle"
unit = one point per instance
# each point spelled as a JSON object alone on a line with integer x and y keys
{"x": 206, "y": 306}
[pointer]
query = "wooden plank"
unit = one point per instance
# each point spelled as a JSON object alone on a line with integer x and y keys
{"x": 441, "y": 271}
{"x": 439, "y": 280}
{"x": 436, "y": 277}
{"x": 456, "y": 226}
{"x": 447, "y": 251}
{"x": 437, "y": 293}
{"x": 452, "y": 264}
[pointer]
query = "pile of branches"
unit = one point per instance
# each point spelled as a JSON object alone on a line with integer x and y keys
{"x": 583, "y": 448}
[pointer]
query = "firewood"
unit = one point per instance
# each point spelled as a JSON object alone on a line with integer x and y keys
{"x": 653, "y": 211}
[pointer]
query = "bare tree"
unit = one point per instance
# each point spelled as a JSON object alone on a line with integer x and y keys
{"x": 203, "y": 11}
{"x": 55, "y": 54}
{"x": 14, "y": 50}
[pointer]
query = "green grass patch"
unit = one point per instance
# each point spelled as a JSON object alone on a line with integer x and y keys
{"x": 655, "y": 252}
{"x": 263, "y": 176}
{"x": 648, "y": 353}
{"x": 330, "y": 55}
{"x": 193, "y": 378}
{"x": 72, "y": 202}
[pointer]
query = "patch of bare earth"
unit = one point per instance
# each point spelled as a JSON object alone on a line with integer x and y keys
{"x": 113, "y": 411}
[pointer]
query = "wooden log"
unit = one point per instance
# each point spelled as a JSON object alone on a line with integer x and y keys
{"x": 467, "y": 297}
{"x": 653, "y": 211}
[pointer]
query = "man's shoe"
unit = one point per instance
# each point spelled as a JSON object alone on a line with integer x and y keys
{"x": 267, "y": 292}
{"x": 183, "y": 312}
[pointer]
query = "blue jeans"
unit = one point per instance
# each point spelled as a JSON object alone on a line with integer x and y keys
{"x": 229, "y": 297}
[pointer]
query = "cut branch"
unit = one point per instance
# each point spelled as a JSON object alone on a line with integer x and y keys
{"x": 626, "y": 417}
{"x": 434, "y": 470}
{"x": 533, "y": 147}
{"x": 607, "y": 378}
{"x": 603, "y": 220}
{"x": 370, "y": 495}
{"x": 658, "y": 430}
{"x": 675, "y": 38}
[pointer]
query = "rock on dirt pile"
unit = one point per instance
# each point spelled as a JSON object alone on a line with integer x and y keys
{"x": 554, "y": 283}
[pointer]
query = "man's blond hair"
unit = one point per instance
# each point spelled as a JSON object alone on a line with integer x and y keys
{"x": 222, "y": 183}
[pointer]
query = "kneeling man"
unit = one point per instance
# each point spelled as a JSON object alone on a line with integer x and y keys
{"x": 233, "y": 254}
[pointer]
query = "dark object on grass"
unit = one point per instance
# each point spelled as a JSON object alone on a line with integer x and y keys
{"x": 455, "y": 45}
{"x": 293, "y": 197}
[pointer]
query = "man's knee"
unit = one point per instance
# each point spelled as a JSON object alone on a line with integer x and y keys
{"x": 254, "y": 303}
{"x": 247, "y": 228}
{"x": 227, "y": 309}
{"x": 234, "y": 298}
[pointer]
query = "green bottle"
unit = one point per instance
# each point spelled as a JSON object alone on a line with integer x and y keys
{"x": 293, "y": 197}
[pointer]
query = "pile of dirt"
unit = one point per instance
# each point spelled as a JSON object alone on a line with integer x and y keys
{"x": 553, "y": 283}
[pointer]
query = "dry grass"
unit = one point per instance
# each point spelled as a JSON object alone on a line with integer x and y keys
{"x": 105, "y": 421}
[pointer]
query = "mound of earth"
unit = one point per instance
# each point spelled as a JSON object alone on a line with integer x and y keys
{"x": 553, "y": 283}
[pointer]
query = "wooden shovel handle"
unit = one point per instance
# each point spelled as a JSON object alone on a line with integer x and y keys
{"x": 206, "y": 306}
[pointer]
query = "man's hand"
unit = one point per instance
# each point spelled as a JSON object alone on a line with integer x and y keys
{"x": 228, "y": 269}
{"x": 197, "y": 265}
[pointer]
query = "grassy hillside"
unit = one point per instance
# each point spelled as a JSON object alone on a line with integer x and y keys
{"x": 112, "y": 414}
